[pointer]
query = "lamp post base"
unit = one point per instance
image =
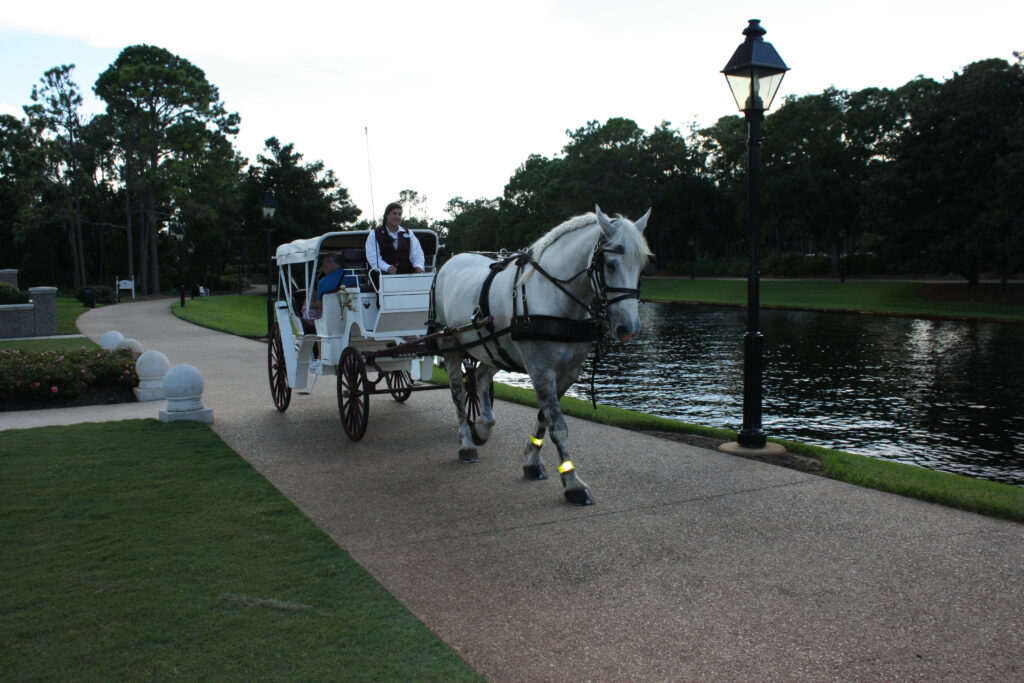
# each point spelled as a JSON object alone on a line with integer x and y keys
{"x": 733, "y": 448}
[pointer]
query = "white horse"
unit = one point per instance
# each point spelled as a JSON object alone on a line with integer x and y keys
{"x": 549, "y": 304}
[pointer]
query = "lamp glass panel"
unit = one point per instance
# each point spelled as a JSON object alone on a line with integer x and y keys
{"x": 767, "y": 86}
{"x": 740, "y": 86}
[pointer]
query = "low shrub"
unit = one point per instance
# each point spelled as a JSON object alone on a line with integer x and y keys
{"x": 104, "y": 294}
{"x": 9, "y": 294}
{"x": 59, "y": 376}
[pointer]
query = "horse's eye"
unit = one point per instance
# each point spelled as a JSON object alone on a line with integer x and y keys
{"x": 611, "y": 266}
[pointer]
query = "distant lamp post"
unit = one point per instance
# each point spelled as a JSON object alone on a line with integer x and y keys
{"x": 178, "y": 230}
{"x": 754, "y": 74}
{"x": 269, "y": 209}
{"x": 693, "y": 258}
{"x": 842, "y": 255}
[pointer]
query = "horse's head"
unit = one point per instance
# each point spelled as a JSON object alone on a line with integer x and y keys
{"x": 619, "y": 259}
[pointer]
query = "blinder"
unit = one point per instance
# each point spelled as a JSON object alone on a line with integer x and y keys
{"x": 597, "y": 276}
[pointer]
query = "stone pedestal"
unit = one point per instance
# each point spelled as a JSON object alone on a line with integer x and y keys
{"x": 151, "y": 367}
{"x": 183, "y": 386}
{"x": 110, "y": 340}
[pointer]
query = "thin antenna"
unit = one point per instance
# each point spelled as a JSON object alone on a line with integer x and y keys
{"x": 369, "y": 171}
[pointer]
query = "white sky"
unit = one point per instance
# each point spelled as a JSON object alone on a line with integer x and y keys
{"x": 456, "y": 94}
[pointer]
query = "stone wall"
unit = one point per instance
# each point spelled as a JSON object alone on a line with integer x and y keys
{"x": 35, "y": 319}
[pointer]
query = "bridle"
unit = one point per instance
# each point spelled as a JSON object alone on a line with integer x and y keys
{"x": 598, "y": 308}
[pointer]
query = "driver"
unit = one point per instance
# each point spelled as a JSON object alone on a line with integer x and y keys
{"x": 393, "y": 249}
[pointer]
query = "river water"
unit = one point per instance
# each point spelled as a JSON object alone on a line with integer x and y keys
{"x": 947, "y": 395}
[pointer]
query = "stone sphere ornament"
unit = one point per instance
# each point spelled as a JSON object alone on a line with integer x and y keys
{"x": 183, "y": 387}
{"x": 151, "y": 367}
{"x": 134, "y": 345}
{"x": 110, "y": 340}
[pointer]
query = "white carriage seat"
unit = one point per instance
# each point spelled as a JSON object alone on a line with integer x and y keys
{"x": 404, "y": 304}
{"x": 331, "y": 322}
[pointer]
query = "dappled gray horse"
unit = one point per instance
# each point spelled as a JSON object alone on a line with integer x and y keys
{"x": 540, "y": 312}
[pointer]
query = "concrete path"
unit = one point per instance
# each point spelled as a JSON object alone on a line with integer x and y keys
{"x": 692, "y": 565}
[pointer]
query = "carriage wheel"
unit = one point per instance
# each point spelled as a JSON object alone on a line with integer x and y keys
{"x": 277, "y": 369}
{"x": 473, "y": 397}
{"x": 399, "y": 384}
{"x": 469, "y": 385}
{"x": 353, "y": 394}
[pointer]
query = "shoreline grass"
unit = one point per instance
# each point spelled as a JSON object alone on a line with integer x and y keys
{"x": 992, "y": 498}
{"x": 181, "y": 560}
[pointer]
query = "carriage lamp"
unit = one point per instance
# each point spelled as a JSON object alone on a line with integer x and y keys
{"x": 754, "y": 74}
{"x": 269, "y": 209}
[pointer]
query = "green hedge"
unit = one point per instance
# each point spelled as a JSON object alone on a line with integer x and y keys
{"x": 104, "y": 294}
{"x": 9, "y": 294}
{"x": 57, "y": 376}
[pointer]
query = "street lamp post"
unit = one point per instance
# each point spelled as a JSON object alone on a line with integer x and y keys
{"x": 754, "y": 74}
{"x": 178, "y": 230}
{"x": 269, "y": 209}
{"x": 842, "y": 255}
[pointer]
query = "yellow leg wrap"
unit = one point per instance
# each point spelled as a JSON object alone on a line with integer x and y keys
{"x": 565, "y": 467}
{"x": 535, "y": 441}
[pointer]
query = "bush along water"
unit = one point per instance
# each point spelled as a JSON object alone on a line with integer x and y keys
{"x": 53, "y": 378}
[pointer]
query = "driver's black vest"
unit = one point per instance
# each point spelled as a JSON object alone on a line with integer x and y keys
{"x": 396, "y": 257}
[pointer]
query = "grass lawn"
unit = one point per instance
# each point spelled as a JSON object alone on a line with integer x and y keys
{"x": 245, "y": 315}
{"x": 39, "y": 345}
{"x": 893, "y": 298}
{"x": 180, "y": 560}
{"x": 68, "y": 310}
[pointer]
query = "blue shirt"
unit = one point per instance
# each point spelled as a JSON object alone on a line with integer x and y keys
{"x": 333, "y": 280}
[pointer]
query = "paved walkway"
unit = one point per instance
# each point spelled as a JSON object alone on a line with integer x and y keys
{"x": 692, "y": 565}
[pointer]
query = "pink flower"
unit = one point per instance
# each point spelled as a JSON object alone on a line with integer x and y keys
{"x": 53, "y": 389}
{"x": 35, "y": 385}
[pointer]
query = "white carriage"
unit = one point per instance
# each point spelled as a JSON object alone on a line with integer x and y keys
{"x": 369, "y": 321}
{"x": 373, "y": 321}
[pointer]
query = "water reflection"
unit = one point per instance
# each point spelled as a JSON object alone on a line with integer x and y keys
{"x": 940, "y": 394}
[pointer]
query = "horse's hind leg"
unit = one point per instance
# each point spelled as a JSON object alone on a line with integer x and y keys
{"x": 453, "y": 365}
{"x": 480, "y": 429}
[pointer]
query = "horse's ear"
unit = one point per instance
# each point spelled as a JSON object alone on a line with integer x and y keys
{"x": 641, "y": 223}
{"x": 603, "y": 221}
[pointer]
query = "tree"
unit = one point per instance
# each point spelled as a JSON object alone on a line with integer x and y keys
{"x": 948, "y": 191}
{"x": 161, "y": 107}
{"x": 55, "y": 116}
{"x": 310, "y": 199}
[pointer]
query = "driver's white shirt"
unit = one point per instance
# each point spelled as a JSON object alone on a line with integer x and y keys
{"x": 373, "y": 253}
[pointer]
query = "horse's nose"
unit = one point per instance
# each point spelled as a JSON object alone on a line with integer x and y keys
{"x": 624, "y": 333}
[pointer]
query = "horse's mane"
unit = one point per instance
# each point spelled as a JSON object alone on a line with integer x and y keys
{"x": 632, "y": 241}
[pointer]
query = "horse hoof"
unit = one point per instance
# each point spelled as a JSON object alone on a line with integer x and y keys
{"x": 579, "y": 497}
{"x": 535, "y": 472}
{"x": 467, "y": 455}
{"x": 477, "y": 439}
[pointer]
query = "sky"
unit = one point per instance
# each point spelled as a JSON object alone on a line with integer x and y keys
{"x": 449, "y": 97}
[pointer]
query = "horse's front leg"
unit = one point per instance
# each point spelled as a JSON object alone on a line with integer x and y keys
{"x": 573, "y": 487}
{"x": 453, "y": 365}
{"x": 533, "y": 466}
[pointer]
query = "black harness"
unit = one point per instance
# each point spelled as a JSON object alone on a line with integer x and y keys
{"x": 545, "y": 327}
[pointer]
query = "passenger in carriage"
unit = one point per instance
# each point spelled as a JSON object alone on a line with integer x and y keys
{"x": 334, "y": 276}
{"x": 393, "y": 249}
